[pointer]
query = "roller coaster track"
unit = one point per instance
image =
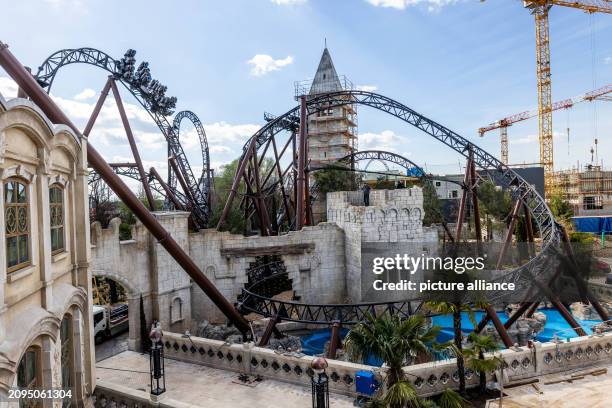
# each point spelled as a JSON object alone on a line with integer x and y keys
{"x": 502, "y": 175}
{"x": 150, "y": 94}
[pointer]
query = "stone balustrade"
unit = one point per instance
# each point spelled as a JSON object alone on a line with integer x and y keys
{"x": 248, "y": 359}
{"x": 428, "y": 378}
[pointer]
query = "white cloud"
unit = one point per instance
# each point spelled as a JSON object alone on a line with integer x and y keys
{"x": 223, "y": 133}
{"x": 532, "y": 138}
{"x": 219, "y": 149}
{"x": 432, "y": 5}
{"x": 367, "y": 88}
{"x": 608, "y": 60}
{"x": 85, "y": 94}
{"x": 8, "y": 88}
{"x": 288, "y": 2}
{"x": 261, "y": 64}
{"x": 386, "y": 140}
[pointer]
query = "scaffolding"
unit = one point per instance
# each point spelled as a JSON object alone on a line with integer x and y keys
{"x": 588, "y": 190}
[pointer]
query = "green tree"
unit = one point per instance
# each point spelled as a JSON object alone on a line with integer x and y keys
{"x": 432, "y": 206}
{"x": 397, "y": 342}
{"x": 475, "y": 356}
{"x": 455, "y": 309}
{"x": 235, "y": 222}
{"x": 450, "y": 399}
{"x": 329, "y": 180}
{"x": 494, "y": 201}
{"x": 561, "y": 209}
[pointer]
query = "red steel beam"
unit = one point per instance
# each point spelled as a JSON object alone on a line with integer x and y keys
{"x": 301, "y": 170}
{"x": 153, "y": 172}
{"x": 132, "y": 142}
{"x": 25, "y": 80}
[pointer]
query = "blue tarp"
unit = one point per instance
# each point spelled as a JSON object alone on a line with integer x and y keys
{"x": 595, "y": 225}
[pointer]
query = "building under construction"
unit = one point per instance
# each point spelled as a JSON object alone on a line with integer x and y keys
{"x": 332, "y": 133}
{"x": 589, "y": 190}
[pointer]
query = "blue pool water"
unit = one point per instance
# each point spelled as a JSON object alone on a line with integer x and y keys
{"x": 313, "y": 343}
{"x": 555, "y": 324}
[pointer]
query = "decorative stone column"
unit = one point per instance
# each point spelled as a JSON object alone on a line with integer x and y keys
{"x": 3, "y": 307}
{"x": 134, "y": 341}
{"x": 44, "y": 228}
{"x": 79, "y": 374}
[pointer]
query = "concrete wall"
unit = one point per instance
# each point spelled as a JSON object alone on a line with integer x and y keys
{"x": 328, "y": 272}
{"x": 145, "y": 269}
{"x": 394, "y": 216}
{"x": 318, "y": 276}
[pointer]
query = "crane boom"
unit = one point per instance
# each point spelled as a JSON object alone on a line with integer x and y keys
{"x": 540, "y": 9}
{"x": 603, "y": 93}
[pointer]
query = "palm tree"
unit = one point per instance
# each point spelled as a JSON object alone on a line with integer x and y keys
{"x": 475, "y": 356}
{"x": 397, "y": 342}
{"x": 455, "y": 309}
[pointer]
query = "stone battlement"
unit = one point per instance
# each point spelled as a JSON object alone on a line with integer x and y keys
{"x": 392, "y": 216}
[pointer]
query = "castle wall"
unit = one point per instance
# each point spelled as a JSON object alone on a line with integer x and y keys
{"x": 393, "y": 216}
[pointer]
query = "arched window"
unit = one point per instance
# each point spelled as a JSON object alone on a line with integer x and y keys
{"x": 176, "y": 310}
{"x": 17, "y": 222}
{"x": 56, "y": 204}
{"x": 29, "y": 374}
{"x": 67, "y": 364}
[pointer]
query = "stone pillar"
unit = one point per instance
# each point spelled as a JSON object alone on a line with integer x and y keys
{"x": 44, "y": 228}
{"x": 48, "y": 362}
{"x": 82, "y": 248}
{"x": 77, "y": 355}
{"x": 3, "y": 306}
{"x": 134, "y": 317}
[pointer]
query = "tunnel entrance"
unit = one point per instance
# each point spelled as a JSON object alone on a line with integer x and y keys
{"x": 111, "y": 323}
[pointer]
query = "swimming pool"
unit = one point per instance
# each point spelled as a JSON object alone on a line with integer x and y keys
{"x": 313, "y": 343}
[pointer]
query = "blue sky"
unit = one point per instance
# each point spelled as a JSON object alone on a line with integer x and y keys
{"x": 462, "y": 63}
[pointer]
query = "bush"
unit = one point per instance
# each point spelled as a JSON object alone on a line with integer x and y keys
{"x": 582, "y": 237}
{"x": 125, "y": 231}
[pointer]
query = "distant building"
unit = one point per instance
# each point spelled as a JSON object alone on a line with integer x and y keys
{"x": 588, "y": 190}
{"x": 332, "y": 133}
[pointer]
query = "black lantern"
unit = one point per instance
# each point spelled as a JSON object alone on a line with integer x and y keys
{"x": 156, "y": 361}
{"x": 320, "y": 383}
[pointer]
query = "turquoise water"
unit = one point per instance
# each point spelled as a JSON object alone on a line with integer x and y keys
{"x": 555, "y": 323}
{"x": 313, "y": 343}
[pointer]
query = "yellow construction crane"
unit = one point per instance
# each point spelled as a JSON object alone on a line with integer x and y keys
{"x": 600, "y": 94}
{"x": 540, "y": 9}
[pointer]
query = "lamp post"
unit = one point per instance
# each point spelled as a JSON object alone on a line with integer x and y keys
{"x": 156, "y": 361}
{"x": 320, "y": 383}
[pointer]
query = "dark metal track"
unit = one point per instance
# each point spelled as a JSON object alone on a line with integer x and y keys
{"x": 151, "y": 96}
{"x": 504, "y": 176}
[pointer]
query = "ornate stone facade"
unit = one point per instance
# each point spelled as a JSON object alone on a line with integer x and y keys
{"x": 45, "y": 284}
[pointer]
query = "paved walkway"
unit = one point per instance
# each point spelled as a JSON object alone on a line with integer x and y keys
{"x": 208, "y": 387}
{"x": 589, "y": 392}
{"x": 112, "y": 346}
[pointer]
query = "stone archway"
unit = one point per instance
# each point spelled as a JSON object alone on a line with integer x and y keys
{"x": 135, "y": 307}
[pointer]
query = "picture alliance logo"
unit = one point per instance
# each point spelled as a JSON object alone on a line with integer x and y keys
{"x": 412, "y": 264}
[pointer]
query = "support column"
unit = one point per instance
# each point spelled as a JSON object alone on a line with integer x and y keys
{"x": 334, "y": 341}
{"x": 133, "y": 147}
{"x": 265, "y": 338}
{"x": 473, "y": 184}
{"x": 134, "y": 340}
{"x": 301, "y": 168}
{"x": 517, "y": 314}
{"x": 3, "y": 306}
{"x": 499, "y": 326}
{"x": 79, "y": 374}
{"x": 43, "y": 225}
{"x": 508, "y": 241}
{"x": 461, "y": 215}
